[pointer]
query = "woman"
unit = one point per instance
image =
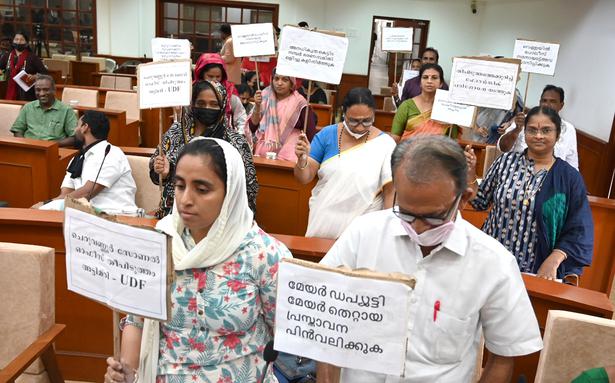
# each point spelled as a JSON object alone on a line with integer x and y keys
{"x": 318, "y": 95}
{"x": 353, "y": 162}
{"x": 210, "y": 66}
{"x": 224, "y": 289}
{"x": 278, "y": 117}
{"x": 251, "y": 80}
{"x": 414, "y": 115}
{"x": 204, "y": 118}
{"x": 539, "y": 207}
{"x": 21, "y": 58}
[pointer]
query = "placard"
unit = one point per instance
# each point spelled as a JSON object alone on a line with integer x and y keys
{"x": 253, "y": 40}
{"x": 164, "y": 49}
{"x": 485, "y": 82}
{"x": 536, "y": 57}
{"x": 342, "y": 318}
{"x": 312, "y": 55}
{"x": 397, "y": 39}
{"x": 450, "y": 112}
{"x": 122, "y": 266}
{"x": 164, "y": 84}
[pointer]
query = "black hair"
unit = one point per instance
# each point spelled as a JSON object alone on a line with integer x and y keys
{"x": 277, "y": 29}
{"x": 434, "y": 50}
{"x": 5, "y": 38}
{"x": 552, "y": 114}
{"x": 207, "y": 148}
{"x": 46, "y": 77}
{"x": 413, "y": 60}
{"x": 25, "y": 36}
{"x": 98, "y": 123}
{"x": 436, "y": 67}
{"x": 201, "y": 86}
{"x": 556, "y": 89}
{"x": 242, "y": 88}
{"x": 210, "y": 66}
{"x": 226, "y": 29}
{"x": 359, "y": 96}
{"x": 303, "y": 24}
{"x": 249, "y": 75}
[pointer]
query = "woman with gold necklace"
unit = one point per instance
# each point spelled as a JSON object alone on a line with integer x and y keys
{"x": 539, "y": 207}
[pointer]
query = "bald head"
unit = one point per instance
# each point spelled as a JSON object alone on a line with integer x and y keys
{"x": 425, "y": 159}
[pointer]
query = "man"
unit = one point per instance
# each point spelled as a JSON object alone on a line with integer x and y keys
{"x": 101, "y": 175}
{"x": 46, "y": 118}
{"x": 467, "y": 282}
{"x": 412, "y": 87}
{"x": 565, "y": 148}
{"x": 233, "y": 64}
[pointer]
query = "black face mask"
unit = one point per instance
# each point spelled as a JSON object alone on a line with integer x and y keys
{"x": 206, "y": 116}
{"x": 19, "y": 47}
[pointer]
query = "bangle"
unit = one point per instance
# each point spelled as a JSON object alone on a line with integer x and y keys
{"x": 561, "y": 252}
{"x": 302, "y": 167}
{"x": 473, "y": 182}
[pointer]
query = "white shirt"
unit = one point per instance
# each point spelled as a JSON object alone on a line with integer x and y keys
{"x": 118, "y": 196}
{"x": 476, "y": 280}
{"x": 239, "y": 114}
{"x": 565, "y": 147}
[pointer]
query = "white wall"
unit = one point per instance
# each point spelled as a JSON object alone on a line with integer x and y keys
{"x": 125, "y": 27}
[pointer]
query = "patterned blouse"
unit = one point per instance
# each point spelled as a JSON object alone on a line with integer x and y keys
{"x": 510, "y": 187}
{"x": 222, "y": 316}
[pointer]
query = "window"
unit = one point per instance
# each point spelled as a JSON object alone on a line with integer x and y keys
{"x": 200, "y": 20}
{"x": 53, "y": 26}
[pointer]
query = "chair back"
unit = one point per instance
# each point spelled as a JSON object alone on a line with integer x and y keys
{"x": 123, "y": 83}
{"x": 574, "y": 343}
{"x": 107, "y": 82}
{"x": 324, "y": 114}
{"x": 148, "y": 194}
{"x": 85, "y": 97}
{"x": 127, "y": 101}
{"x": 102, "y": 65}
{"x": 9, "y": 114}
{"x": 58, "y": 65}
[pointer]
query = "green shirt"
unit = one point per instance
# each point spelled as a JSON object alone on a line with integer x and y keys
{"x": 55, "y": 123}
{"x": 595, "y": 375}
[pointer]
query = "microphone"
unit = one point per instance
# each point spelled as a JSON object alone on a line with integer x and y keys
{"x": 270, "y": 355}
{"x": 107, "y": 150}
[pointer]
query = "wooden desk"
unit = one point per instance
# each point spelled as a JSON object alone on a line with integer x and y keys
{"x": 282, "y": 204}
{"x": 384, "y": 120}
{"x": 96, "y": 77}
{"x": 324, "y": 113}
{"x": 309, "y": 249}
{"x": 81, "y": 72}
{"x": 31, "y": 169}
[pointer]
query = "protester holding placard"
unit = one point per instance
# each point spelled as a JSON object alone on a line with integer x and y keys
{"x": 412, "y": 87}
{"x": 205, "y": 118}
{"x": 278, "y": 119}
{"x": 233, "y": 64}
{"x": 539, "y": 207}
{"x": 210, "y": 66}
{"x": 224, "y": 291}
{"x": 352, "y": 161}
{"x": 466, "y": 282}
{"x": 413, "y": 117}
{"x": 21, "y": 58}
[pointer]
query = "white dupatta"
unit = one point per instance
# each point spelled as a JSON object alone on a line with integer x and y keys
{"x": 350, "y": 185}
{"x": 224, "y": 237}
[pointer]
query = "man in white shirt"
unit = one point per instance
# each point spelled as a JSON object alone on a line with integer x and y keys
{"x": 467, "y": 282}
{"x": 565, "y": 147}
{"x": 100, "y": 172}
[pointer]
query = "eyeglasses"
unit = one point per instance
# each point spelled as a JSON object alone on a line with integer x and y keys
{"x": 366, "y": 122}
{"x": 534, "y": 131}
{"x": 433, "y": 221}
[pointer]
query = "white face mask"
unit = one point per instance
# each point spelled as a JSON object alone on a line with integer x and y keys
{"x": 431, "y": 237}
{"x": 355, "y": 135}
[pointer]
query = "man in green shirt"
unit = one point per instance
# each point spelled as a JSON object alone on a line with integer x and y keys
{"x": 46, "y": 118}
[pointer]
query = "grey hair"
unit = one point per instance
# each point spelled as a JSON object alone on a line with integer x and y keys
{"x": 425, "y": 158}
{"x": 48, "y": 78}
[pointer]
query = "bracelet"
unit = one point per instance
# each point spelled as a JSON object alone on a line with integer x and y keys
{"x": 561, "y": 252}
{"x": 302, "y": 167}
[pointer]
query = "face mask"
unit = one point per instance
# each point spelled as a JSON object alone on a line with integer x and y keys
{"x": 355, "y": 135}
{"x": 431, "y": 237}
{"x": 19, "y": 47}
{"x": 206, "y": 116}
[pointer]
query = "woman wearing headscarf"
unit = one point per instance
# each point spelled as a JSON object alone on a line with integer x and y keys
{"x": 278, "y": 118}
{"x": 18, "y": 59}
{"x": 204, "y": 118}
{"x": 224, "y": 291}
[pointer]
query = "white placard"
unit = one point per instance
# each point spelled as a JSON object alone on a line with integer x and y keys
{"x": 397, "y": 39}
{"x": 311, "y": 55}
{"x": 253, "y": 40}
{"x": 348, "y": 321}
{"x": 164, "y": 84}
{"x": 164, "y": 49}
{"x": 260, "y": 59}
{"x": 449, "y": 112}
{"x": 118, "y": 265}
{"x": 536, "y": 57}
{"x": 483, "y": 82}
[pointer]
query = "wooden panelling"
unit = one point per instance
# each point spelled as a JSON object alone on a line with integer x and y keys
{"x": 384, "y": 120}
{"x": 324, "y": 113}
{"x": 348, "y": 82}
{"x": 81, "y": 72}
{"x": 596, "y": 161}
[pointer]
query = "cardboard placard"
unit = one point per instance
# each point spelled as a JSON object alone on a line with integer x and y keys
{"x": 485, "y": 82}
{"x": 397, "y": 39}
{"x": 253, "y": 40}
{"x": 536, "y": 56}
{"x": 312, "y": 55}
{"x": 164, "y": 49}
{"x": 345, "y": 318}
{"x": 164, "y": 84}
{"x": 450, "y": 112}
{"x": 124, "y": 267}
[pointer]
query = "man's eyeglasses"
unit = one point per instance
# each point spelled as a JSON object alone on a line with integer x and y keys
{"x": 366, "y": 122}
{"x": 433, "y": 221}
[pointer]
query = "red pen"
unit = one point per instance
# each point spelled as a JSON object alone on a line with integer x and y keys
{"x": 436, "y": 308}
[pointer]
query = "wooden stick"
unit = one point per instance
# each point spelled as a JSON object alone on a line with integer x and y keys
{"x": 395, "y": 69}
{"x": 307, "y": 109}
{"x": 116, "y": 336}
{"x": 527, "y": 86}
{"x": 258, "y": 79}
{"x": 160, "y": 122}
